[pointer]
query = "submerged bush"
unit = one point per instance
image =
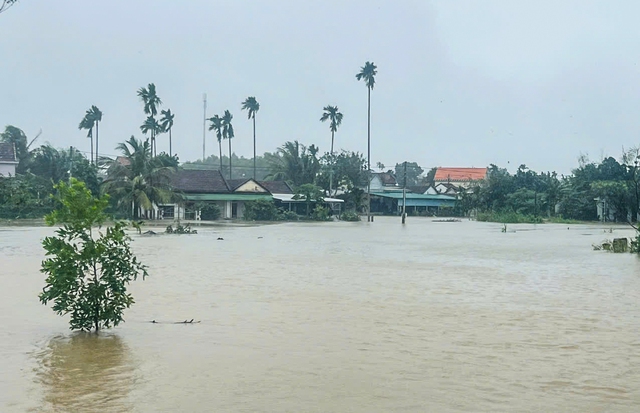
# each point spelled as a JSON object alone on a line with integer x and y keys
{"x": 350, "y": 216}
{"x": 508, "y": 217}
{"x": 289, "y": 216}
{"x": 320, "y": 213}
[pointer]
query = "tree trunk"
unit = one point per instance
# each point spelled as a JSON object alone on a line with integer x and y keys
{"x": 96, "y": 316}
{"x": 220, "y": 147}
{"x": 229, "y": 158}
{"x": 332, "y": 133}
{"x": 97, "y": 163}
{"x": 170, "y": 149}
{"x": 369, "y": 155}
{"x": 254, "y": 147}
{"x": 91, "y": 146}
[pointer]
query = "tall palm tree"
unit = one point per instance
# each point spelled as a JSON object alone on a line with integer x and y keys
{"x": 151, "y": 102}
{"x": 151, "y": 127}
{"x": 97, "y": 118}
{"x": 227, "y": 133}
{"x": 216, "y": 125}
{"x": 368, "y": 74}
{"x": 150, "y": 99}
{"x": 87, "y": 123}
{"x": 332, "y": 114}
{"x": 167, "y": 124}
{"x": 252, "y": 107}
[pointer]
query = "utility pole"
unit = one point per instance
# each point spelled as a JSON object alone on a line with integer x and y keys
{"x": 404, "y": 194}
{"x": 204, "y": 125}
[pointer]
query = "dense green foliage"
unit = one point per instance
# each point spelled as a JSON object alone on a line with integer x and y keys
{"x": 294, "y": 163}
{"x": 320, "y": 213}
{"x": 311, "y": 194}
{"x": 414, "y": 173}
{"x": 138, "y": 180}
{"x": 347, "y": 169}
{"x": 527, "y": 196}
{"x": 261, "y": 210}
{"x": 208, "y": 211}
{"x": 508, "y": 217}
{"x": 87, "y": 276}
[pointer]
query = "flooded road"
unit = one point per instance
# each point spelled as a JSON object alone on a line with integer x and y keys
{"x": 339, "y": 317}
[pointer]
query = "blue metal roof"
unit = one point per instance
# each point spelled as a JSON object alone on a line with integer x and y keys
{"x": 419, "y": 199}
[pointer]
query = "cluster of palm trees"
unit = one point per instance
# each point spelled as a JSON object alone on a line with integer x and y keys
{"x": 223, "y": 128}
{"x": 139, "y": 180}
{"x": 367, "y": 74}
{"x": 152, "y": 126}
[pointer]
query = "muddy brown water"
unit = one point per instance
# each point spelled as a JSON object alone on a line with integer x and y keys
{"x": 339, "y": 317}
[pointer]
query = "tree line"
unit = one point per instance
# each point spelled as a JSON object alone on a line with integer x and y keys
{"x": 528, "y": 195}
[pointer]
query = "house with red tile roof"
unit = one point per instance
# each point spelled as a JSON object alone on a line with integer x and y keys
{"x": 460, "y": 177}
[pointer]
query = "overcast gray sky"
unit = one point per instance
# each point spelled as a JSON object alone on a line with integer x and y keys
{"x": 460, "y": 83}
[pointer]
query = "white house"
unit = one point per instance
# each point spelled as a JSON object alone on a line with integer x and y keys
{"x": 8, "y": 159}
{"x": 383, "y": 181}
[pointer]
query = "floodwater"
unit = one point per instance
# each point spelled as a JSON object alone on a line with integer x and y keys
{"x": 339, "y": 317}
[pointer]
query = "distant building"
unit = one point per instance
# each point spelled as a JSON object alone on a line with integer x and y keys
{"x": 461, "y": 177}
{"x": 383, "y": 181}
{"x": 8, "y": 159}
{"x": 199, "y": 187}
{"x": 209, "y": 186}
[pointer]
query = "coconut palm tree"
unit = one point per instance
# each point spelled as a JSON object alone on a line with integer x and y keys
{"x": 167, "y": 124}
{"x": 151, "y": 127}
{"x": 332, "y": 114}
{"x": 216, "y": 125}
{"x": 151, "y": 102}
{"x": 227, "y": 133}
{"x": 137, "y": 179}
{"x": 87, "y": 123}
{"x": 5, "y": 4}
{"x": 150, "y": 99}
{"x": 368, "y": 74}
{"x": 252, "y": 107}
{"x": 294, "y": 163}
{"x": 97, "y": 118}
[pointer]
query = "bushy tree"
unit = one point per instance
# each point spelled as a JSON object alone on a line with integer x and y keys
{"x": 87, "y": 270}
{"x": 261, "y": 210}
{"x": 414, "y": 173}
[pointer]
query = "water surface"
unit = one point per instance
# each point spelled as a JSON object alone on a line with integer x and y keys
{"x": 357, "y": 317}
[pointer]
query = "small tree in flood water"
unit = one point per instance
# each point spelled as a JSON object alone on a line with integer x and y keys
{"x": 87, "y": 276}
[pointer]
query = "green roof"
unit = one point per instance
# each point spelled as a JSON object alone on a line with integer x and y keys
{"x": 227, "y": 197}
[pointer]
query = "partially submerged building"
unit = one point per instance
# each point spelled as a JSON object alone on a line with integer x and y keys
{"x": 200, "y": 187}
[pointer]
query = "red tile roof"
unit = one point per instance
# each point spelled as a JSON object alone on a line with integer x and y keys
{"x": 459, "y": 174}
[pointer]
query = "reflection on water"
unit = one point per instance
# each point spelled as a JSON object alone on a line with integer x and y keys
{"x": 85, "y": 372}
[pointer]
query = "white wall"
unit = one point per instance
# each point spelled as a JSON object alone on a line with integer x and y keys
{"x": 7, "y": 169}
